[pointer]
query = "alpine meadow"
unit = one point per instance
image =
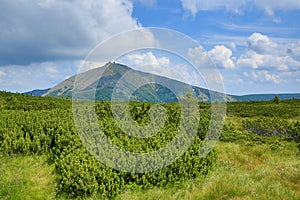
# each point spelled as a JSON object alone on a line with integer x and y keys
{"x": 257, "y": 155}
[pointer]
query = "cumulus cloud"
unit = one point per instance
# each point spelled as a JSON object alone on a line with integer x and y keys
{"x": 265, "y": 76}
{"x": 37, "y": 31}
{"x": 250, "y": 59}
{"x": 206, "y": 66}
{"x": 261, "y": 43}
{"x": 239, "y": 6}
{"x": 263, "y": 60}
{"x": 199, "y": 56}
{"x": 148, "y": 62}
{"x": 146, "y": 59}
{"x": 263, "y": 53}
{"x": 222, "y": 56}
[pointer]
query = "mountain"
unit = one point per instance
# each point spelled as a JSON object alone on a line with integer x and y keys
{"x": 112, "y": 73}
{"x": 37, "y": 92}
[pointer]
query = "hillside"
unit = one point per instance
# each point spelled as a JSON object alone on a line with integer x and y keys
{"x": 266, "y": 97}
{"x": 38, "y": 92}
{"x": 147, "y": 93}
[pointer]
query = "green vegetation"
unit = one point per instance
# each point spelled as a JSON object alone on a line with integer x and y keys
{"x": 276, "y": 99}
{"x": 287, "y": 109}
{"x": 26, "y": 177}
{"x": 51, "y": 132}
{"x": 242, "y": 172}
{"x": 42, "y": 156}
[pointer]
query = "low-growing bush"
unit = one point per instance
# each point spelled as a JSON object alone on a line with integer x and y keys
{"x": 52, "y": 132}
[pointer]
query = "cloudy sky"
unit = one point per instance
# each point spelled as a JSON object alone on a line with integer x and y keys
{"x": 254, "y": 43}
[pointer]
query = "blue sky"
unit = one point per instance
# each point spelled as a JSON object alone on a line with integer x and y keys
{"x": 254, "y": 43}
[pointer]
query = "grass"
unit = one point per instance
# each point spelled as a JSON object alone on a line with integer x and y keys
{"x": 244, "y": 171}
{"x": 26, "y": 177}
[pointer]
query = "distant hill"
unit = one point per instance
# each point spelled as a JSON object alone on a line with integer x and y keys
{"x": 266, "y": 97}
{"x": 151, "y": 92}
{"x": 37, "y": 92}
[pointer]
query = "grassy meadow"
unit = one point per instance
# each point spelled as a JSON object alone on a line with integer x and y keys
{"x": 243, "y": 171}
{"x": 249, "y": 165}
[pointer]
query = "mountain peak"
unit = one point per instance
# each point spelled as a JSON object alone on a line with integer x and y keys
{"x": 111, "y": 73}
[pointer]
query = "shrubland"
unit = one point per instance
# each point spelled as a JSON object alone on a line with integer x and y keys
{"x": 38, "y": 133}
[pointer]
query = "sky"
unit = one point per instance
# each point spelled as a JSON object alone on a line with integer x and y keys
{"x": 255, "y": 44}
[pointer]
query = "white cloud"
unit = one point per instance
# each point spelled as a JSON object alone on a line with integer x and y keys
{"x": 265, "y": 76}
{"x": 2, "y": 73}
{"x": 261, "y": 43}
{"x": 293, "y": 49}
{"x": 145, "y": 59}
{"x": 38, "y": 31}
{"x": 239, "y": 6}
{"x": 263, "y": 60}
{"x": 271, "y": 77}
{"x": 199, "y": 56}
{"x": 222, "y": 56}
{"x": 253, "y": 60}
{"x": 204, "y": 63}
{"x": 150, "y": 63}
{"x": 263, "y": 53}
{"x": 250, "y": 60}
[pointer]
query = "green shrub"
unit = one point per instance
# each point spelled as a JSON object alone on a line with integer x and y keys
{"x": 28, "y": 129}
